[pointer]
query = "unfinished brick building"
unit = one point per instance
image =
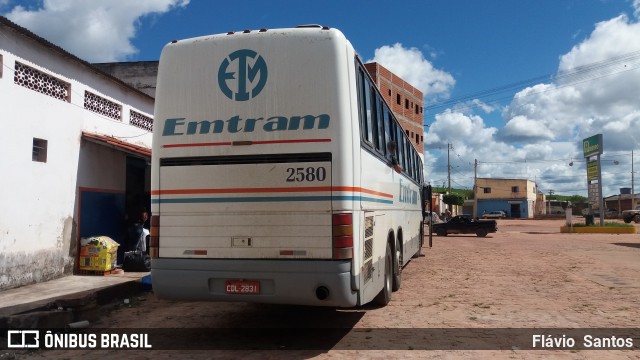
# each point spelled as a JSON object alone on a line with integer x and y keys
{"x": 405, "y": 101}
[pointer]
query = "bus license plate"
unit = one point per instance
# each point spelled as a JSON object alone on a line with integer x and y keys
{"x": 242, "y": 287}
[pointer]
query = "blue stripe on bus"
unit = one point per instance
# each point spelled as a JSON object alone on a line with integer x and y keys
{"x": 267, "y": 199}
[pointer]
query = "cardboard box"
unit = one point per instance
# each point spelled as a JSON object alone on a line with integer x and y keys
{"x": 98, "y": 253}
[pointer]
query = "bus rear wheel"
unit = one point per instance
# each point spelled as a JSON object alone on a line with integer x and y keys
{"x": 397, "y": 268}
{"x": 384, "y": 297}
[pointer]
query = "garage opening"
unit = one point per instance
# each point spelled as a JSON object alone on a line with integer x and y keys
{"x": 113, "y": 188}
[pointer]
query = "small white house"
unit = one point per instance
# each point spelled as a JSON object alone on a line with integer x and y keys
{"x": 75, "y": 145}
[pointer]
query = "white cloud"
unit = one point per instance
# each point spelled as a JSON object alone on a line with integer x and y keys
{"x": 468, "y": 106}
{"x": 97, "y": 30}
{"x": 411, "y": 65}
{"x": 521, "y": 128}
{"x": 595, "y": 90}
{"x": 452, "y": 125}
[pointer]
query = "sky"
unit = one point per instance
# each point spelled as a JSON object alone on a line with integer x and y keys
{"x": 514, "y": 84}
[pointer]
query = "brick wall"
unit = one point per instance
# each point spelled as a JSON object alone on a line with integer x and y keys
{"x": 405, "y": 101}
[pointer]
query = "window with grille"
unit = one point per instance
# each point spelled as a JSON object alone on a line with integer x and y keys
{"x": 39, "y": 150}
{"x": 141, "y": 121}
{"x": 43, "y": 83}
{"x": 102, "y": 106}
{"x": 515, "y": 189}
{"x": 487, "y": 190}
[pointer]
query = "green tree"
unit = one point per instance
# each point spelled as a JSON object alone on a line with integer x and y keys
{"x": 453, "y": 199}
{"x": 577, "y": 199}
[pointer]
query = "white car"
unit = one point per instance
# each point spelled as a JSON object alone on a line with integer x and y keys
{"x": 494, "y": 215}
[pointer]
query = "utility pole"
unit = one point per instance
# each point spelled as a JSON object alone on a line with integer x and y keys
{"x": 549, "y": 201}
{"x": 475, "y": 188}
{"x": 633, "y": 190}
{"x": 449, "y": 167}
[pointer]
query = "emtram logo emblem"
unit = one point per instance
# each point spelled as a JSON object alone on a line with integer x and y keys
{"x": 250, "y": 75}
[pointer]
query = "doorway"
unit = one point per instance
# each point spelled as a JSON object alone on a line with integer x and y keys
{"x": 515, "y": 211}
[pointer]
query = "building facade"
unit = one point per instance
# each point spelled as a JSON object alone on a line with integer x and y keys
{"x": 142, "y": 75}
{"x": 405, "y": 101}
{"x": 76, "y": 143}
{"x": 622, "y": 202}
{"x": 516, "y": 197}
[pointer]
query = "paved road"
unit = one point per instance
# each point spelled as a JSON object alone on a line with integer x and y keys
{"x": 462, "y": 295}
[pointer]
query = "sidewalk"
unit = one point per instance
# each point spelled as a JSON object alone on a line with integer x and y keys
{"x": 60, "y": 301}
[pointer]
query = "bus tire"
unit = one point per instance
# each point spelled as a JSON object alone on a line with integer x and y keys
{"x": 397, "y": 268}
{"x": 481, "y": 232}
{"x": 384, "y": 297}
{"x": 636, "y": 219}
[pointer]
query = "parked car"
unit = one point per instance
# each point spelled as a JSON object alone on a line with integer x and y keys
{"x": 631, "y": 215}
{"x": 494, "y": 215}
{"x": 465, "y": 224}
{"x": 608, "y": 213}
{"x": 611, "y": 213}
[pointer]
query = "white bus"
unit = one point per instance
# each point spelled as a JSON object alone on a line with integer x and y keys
{"x": 273, "y": 174}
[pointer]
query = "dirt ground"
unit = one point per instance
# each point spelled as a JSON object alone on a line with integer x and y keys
{"x": 527, "y": 275}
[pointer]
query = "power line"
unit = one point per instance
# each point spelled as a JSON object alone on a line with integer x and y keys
{"x": 577, "y": 75}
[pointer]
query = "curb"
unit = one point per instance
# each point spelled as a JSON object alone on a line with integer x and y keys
{"x": 598, "y": 230}
{"x": 62, "y": 311}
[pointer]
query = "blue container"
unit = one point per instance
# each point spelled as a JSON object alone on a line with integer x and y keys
{"x": 146, "y": 283}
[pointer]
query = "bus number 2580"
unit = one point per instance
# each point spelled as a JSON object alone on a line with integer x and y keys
{"x": 306, "y": 174}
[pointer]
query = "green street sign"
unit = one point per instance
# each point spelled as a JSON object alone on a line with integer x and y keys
{"x": 592, "y": 145}
{"x": 592, "y": 170}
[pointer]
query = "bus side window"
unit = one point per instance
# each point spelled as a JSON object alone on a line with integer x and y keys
{"x": 361, "y": 110}
{"x": 387, "y": 129}
{"x": 367, "y": 112}
{"x": 417, "y": 162}
{"x": 418, "y": 169}
{"x": 395, "y": 132}
{"x": 400, "y": 138}
{"x": 412, "y": 157}
{"x": 406, "y": 155}
{"x": 373, "y": 117}
{"x": 364, "y": 106}
{"x": 380, "y": 127}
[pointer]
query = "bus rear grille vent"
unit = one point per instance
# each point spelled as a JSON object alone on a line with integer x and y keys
{"x": 368, "y": 248}
{"x": 368, "y": 227}
{"x": 368, "y": 270}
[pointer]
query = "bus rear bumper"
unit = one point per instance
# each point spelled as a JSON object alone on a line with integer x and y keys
{"x": 317, "y": 283}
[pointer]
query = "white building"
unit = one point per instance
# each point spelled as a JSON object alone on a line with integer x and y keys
{"x": 75, "y": 143}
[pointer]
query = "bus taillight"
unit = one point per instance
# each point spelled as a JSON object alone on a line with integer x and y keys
{"x": 154, "y": 238}
{"x": 342, "y": 233}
